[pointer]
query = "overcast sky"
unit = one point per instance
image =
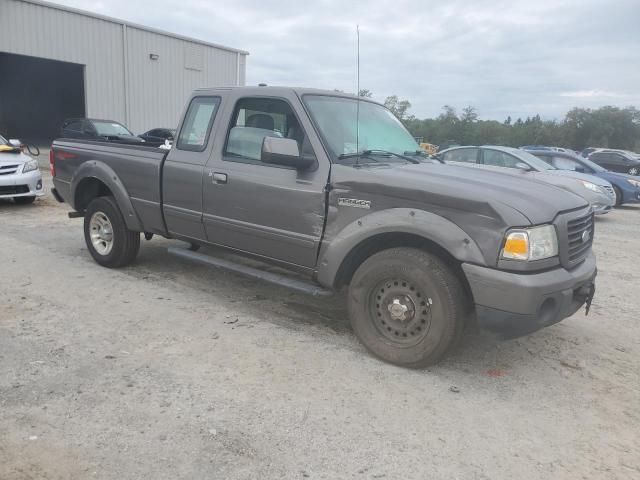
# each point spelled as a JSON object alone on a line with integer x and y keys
{"x": 510, "y": 57}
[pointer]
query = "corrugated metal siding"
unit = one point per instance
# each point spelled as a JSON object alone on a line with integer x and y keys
{"x": 158, "y": 89}
{"x": 155, "y": 91}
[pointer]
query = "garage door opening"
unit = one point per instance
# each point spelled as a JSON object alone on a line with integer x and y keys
{"x": 36, "y": 95}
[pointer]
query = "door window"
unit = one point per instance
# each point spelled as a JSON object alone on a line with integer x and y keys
{"x": 196, "y": 128}
{"x": 500, "y": 159}
{"x": 466, "y": 155}
{"x": 257, "y": 118}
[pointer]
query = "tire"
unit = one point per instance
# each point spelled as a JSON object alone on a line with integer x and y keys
{"x": 431, "y": 307}
{"x": 618, "y": 196}
{"x": 24, "y": 200}
{"x": 633, "y": 171}
{"x": 115, "y": 245}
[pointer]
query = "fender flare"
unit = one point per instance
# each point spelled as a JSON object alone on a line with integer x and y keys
{"x": 429, "y": 226}
{"x": 103, "y": 172}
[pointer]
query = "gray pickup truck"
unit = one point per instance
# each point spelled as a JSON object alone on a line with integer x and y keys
{"x": 334, "y": 189}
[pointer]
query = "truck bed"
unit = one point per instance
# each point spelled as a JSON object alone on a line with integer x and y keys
{"x": 138, "y": 169}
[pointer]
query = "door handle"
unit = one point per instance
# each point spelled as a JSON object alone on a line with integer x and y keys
{"x": 219, "y": 178}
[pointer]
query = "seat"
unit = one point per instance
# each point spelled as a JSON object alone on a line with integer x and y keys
{"x": 261, "y": 120}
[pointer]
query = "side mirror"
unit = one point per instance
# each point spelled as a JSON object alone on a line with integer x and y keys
{"x": 523, "y": 166}
{"x": 284, "y": 151}
{"x": 14, "y": 142}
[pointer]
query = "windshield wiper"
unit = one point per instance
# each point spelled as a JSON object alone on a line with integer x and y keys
{"x": 372, "y": 153}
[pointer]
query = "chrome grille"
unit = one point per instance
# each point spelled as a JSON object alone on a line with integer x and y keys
{"x": 8, "y": 169}
{"x": 579, "y": 237}
{"x": 609, "y": 190}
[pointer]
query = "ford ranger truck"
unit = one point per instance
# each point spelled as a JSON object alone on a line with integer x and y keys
{"x": 333, "y": 188}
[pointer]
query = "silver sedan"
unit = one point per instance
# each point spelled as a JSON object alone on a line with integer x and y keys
{"x": 20, "y": 177}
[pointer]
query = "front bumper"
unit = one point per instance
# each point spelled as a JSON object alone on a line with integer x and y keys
{"x": 21, "y": 185}
{"x": 515, "y": 304}
{"x": 631, "y": 196}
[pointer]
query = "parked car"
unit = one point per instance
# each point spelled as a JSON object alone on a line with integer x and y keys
{"x": 598, "y": 192}
{"x": 158, "y": 135}
{"x": 419, "y": 244}
{"x": 626, "y": 187}
{"x": 545, "y": 147}
{"x": 20, "y": 177}
{"x": 588, "y": 151}
{"x": 98, "y": 130}
{"x": 616, "y": 161}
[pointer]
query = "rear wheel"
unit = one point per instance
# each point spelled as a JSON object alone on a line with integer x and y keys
{"x": 24, "y": 200}
{"x": 108, "y": 239}
{"x": 407, "y": 306}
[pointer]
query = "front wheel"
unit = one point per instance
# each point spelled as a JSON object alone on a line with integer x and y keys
{"x": 618, "y": 193}
{"x": 407, "y": 307}
{"x": 108, "y": 239}
{"x": 633, "y": 171}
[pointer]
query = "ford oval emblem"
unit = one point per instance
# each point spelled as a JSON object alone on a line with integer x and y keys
{"x": 585, "y": 236}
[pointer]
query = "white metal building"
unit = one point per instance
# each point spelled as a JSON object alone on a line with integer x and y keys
{"x": 58, "y": 62}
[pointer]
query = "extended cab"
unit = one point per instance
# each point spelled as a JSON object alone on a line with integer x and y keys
{"x": 333, "y": 187}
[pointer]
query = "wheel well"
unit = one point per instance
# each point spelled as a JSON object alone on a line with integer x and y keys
{"x": 87, "y": 190}
{"x": 385, "y": 241}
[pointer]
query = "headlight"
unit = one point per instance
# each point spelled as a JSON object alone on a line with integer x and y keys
{"x": 635, "y": 183}
{"x": 30, "y": 166}
{"x": 593, "y": 187}
{"x": 531, "y": 243}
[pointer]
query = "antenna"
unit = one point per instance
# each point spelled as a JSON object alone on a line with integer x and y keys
{"x": 358, "y": 92}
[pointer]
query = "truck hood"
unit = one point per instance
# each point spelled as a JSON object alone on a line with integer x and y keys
{"x": 471, "y": 189}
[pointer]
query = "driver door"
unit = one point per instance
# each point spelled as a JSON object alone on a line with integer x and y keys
{"x": 270, "y": 210}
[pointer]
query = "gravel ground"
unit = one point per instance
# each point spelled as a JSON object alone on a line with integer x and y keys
{"x": 166, "y": 370}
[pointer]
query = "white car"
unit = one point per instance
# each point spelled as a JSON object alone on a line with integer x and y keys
{"x": 20, "y": 177}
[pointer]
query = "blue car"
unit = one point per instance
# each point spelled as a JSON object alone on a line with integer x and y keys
{"x": 627, "y": 187}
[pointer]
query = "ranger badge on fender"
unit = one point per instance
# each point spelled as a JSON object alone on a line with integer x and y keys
{"x": 354, "y": 202}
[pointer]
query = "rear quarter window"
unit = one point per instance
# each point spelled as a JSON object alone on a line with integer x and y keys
{"x": 196, "y": 128}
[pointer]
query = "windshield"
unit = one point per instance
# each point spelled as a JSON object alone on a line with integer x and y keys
{"x": 378, "y": 129}
{"x": 110, "y": 128}
{"x": 534, "y": 161}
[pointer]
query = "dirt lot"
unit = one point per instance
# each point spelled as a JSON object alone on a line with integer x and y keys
{"x": 166, "y": 370}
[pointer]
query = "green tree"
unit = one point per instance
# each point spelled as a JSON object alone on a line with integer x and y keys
{"x": 397, "y": 106}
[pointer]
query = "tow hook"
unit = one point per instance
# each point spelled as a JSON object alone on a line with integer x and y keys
{"x": 588, "y": 291}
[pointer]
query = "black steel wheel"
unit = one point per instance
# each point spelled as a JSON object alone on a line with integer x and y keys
{"x": 407, "y": 306}
{"x": 400, "y": 311}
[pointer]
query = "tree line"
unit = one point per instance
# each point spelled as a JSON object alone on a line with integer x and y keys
{"x": 608, "y": 126}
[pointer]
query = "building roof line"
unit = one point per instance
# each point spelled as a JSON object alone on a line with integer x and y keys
{"x": 106, "y": 18}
